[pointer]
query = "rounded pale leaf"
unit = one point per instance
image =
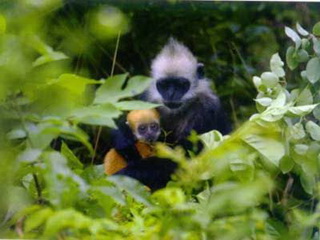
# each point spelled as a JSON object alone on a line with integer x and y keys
{"x": 313, "y": 70}
{"x": 314, "y": 130}
{"x": 269, "y": 79}
{"x": 301, "y": 30}
{"x": 294, "y": 36}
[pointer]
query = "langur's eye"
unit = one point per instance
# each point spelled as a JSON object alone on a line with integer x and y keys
{"x": 142, "y": 128}
{"x": 154, "y": 126}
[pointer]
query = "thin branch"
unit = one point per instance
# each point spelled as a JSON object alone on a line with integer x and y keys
{"x": 111, "y": 74}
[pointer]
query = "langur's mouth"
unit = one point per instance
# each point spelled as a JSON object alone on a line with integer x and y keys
{"x": 173, "y": 105}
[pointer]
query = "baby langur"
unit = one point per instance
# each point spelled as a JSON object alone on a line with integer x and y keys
{"x": 145, "y": 126}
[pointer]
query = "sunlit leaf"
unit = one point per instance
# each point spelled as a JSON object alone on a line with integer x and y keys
{"x": 134, "y": 105}
{"x": 301, "y": 30}
{"x": 133, "y": 187}
{"x": 102, "y": 115}
{"x": 294, "y": 36}
{"x": 313, "y": 70}
{"x": 316, "y": 29}
{"x": 111, "y": 90}
{"x": 37, "y": 219}
{"x": 314, "y": 130}
{"x": 73, "y": 161}
{"x": 276, "y": 65}
{"x": 2, "y": 24}
{"x": 269, "y": 79}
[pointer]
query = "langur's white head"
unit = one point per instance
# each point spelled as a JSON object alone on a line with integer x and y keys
{"x": 176, "y": 74}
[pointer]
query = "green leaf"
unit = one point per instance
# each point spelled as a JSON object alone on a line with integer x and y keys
{"x": 16, "y": 134}
{"x": 316, "y": 46}
{"x": 133, "y": 187}
{"x": 66, "y": 219}
{"x": 270, "y": 148}
{"x": 73, "y": 161}
{"x": 113, "y": 192}
{"x": 102, "y": 115}
{"x": 316, "y": 29}
{"x": 111, "y": 91}
{"x": 74, "y": 83}
{"x": 53, "y": 56}
{"x": 302, "y": 55}
{"x": 297, "y": 131}
{"x": 305, "y": 97}
{"x": 276, "y": 65}
{"x": 308, "y": 182}
{"x": 302, "y": 110}
{"x": 37, "y": 219}
{"x": 29, "y": 155}
{"x": 316, "y": 112}
{"x": 313, "y": 69}
{"x": 314, "y": 130}
{"x": 301, "y": 30}
{"x": 256, "y": 81}
{"x": 211, "y": 139}
{"x": 269, "y": 79}
{"x": 265, "y": 101}
{"x": 305, "y": 43}
{"x": 294, "y": 36}
{"x": 135, "y": 105}
{"x": 301, "y": 149}
{"x": 291, "y": 58}
{"x": 286, "y": 164}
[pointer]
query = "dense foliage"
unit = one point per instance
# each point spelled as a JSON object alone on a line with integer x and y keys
{"x": 261, "y": 182}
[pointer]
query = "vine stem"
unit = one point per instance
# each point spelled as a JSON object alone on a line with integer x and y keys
{"x": 111, "y": 74}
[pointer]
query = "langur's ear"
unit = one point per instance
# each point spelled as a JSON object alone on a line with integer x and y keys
{"x": 200, "y": 70}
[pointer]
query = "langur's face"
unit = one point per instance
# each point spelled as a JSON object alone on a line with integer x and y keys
{"x": 147, "y": 132}
{"x": 172, "y": 90}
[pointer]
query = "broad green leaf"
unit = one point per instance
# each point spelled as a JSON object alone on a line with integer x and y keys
{"x": 66, "y": 219}
{"x": 133, "y": 187}
{"x": 73, "y": 82}
{"x": 17, "y": 133}
{"x": 211, "y": 139}
{"x": 297, "y": 131}
{"x": 316, "y": 29}
{"x": 135, "y": 105}
{"x": 291, "y": 58}
{"x": 29, "y": 155}
{"x": 301, "y": 149}
{"x": 73, "y": 161}
{"x": 316, "y": 112}
{"x": 302, "y": 55}
{"x": 313, "y": 69}
{"x": 293, "y": 35}
{"x": 314, "y": 130}
{"x": 301, "y": 30}
{"x": 276, "y": 65}
{"x": 302, "y": 110}
{"x": 316, "y": 45}
{"x": 304, "y": 98}
{"x": 102, "y": 115}
{"x": 3, "y": 24}
{"x": 305, "y": 43}
{"x": 270, "y": 148}
{"x": 308, "y": 182}
{"x": 269, "y": 79}
{"x": 37, "y": 219}
{"x": 286, "y": 164}
{"x": 111, "y": 91}
{"x": 53, "y": 56}
{"x": 113, "y": 192}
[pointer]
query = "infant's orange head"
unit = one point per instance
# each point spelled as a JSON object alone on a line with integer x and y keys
{"x": 145, "y": 124}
